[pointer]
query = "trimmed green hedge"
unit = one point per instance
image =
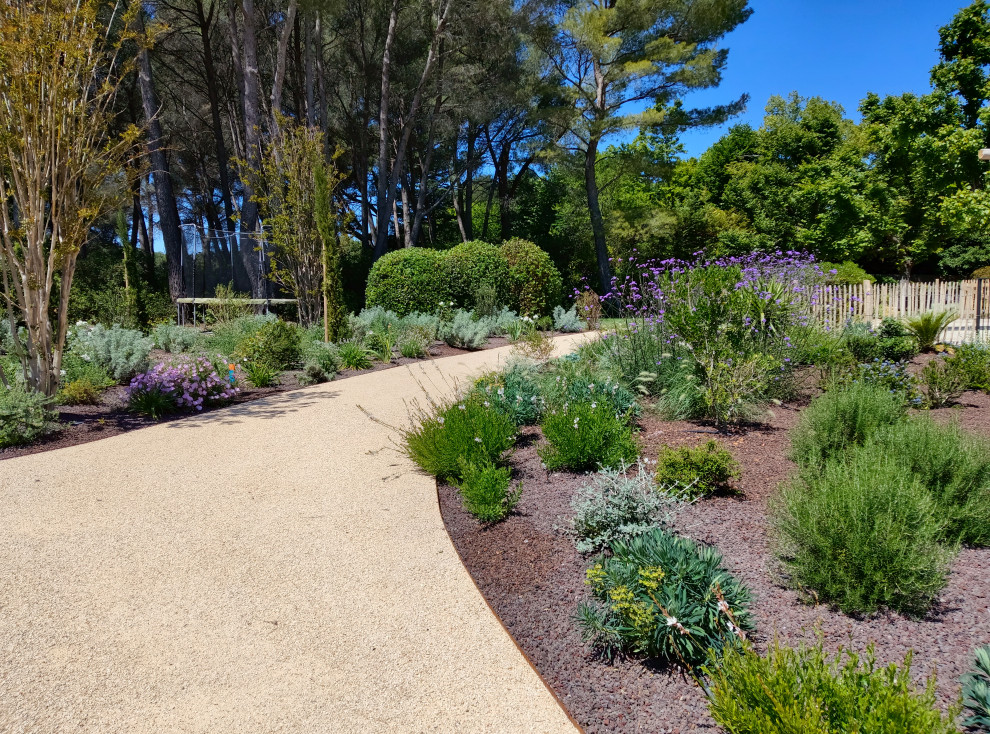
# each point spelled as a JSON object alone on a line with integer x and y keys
{"x": 534, "y": 281}
{"x": 408, "y": 280}
{"x": 471, "y": 265}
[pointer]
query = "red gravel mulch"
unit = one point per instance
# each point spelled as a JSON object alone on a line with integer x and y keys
{"x": 532, "y": 577}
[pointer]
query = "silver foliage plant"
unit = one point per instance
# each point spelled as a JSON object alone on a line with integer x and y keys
{"x": 618, "y": 504}
{"x": 121, "y": 352}
{"x": 567, "y": 321}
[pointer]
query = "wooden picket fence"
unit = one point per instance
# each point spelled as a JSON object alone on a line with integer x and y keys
{"x": 872, "y": 302}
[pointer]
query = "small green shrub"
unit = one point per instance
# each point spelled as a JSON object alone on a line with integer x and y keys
{"x": 24, "y": 415}
{"x": 953, "y": 465}
{"x": 863, "y": 533}
{"x": 261, "y": 374}
{"x": 414, "y": 342}
{"x": 277, "y": 344}
{"x": 567, "y": 321}
{"x": 927, "y": 327}
{"x": 464, "y": 332}
{"x": 666, "y": 598}
{"x": 976, "y": 692}
{"x": 515, "y": 391}
{"x": 698, "y": 471}
{"x": 589, "y": 307}
{"x": 891, "y": 376}
{"x": 354, "y": 356}
{"x": 841, "y": 418}
{"x": 227, "y": 307}
{"x": 973, "y": 362}
{"x": 534, "y": 282}
{"x": 890, "y": 343}
{"x": 227, "y": 335}
{"x": 325, "y": 355}
{"x": 79, "y": 392}
{"x": 616, "y": 505}
{"x": 314, "y": 374}
{"x": 175, "y": 339}
{"x": 485, "y": 490}
{"x": 486, "y": 301}
{"x": 382, "y": 343}
{"x": 586, "y": 436}
{"x": 942, "y": 382}
{"x": 801, "y": 691}
{"x": 407, "y": 280}
{"x": 446, "y": 436}
{"x": 77, "y": 368}
{"x": 121, "y": 352}
{"x": 579, "y": 381}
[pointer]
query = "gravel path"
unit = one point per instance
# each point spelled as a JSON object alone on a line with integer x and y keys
{"x": 272, "y": 567}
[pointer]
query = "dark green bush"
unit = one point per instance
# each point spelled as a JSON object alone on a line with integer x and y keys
{"x": 485, "y": 490}
{"x": 77, "y": 368}
{"x": 698, "y": 471}
{"x": 666, "y": 598}
{"x": 587, "y": 436}
{"x": 276, "y": 344}
{"x": 24, "y": 415}
{"x": 226, "y": 336}
{"x": 408, "y": 280}
{"x": 846, "y": 273}
{"x": 801, "y": 691}
{"x": 862, "y": 532}
{"x": 471, "y": 266}
{"x": 445, "y": 436}
{"x": 867, "y": 345}
{"x": 841, "y": 418}
{"x": 534, "y": 281}
{"x": 953, "y": 465}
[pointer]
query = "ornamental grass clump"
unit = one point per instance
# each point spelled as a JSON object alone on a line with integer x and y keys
{"x": 619, "y": 504}
{"x": 862, "y": 532}
{"x": 485, "y": 490}
{"x": 445, "y": 437}
{"x": 697, "y": 471}
{"x": 170, "y": 387}
{"x": 354, "y": 356}
{"x": 802, "y": 691}
{"x": 583, "y": 436}
{"x": 841, "y": 418}
{"x": 666, "y": 598}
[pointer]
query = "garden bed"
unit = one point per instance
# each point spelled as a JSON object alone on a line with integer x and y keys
{"x": 78, "y": 424}
{"x": 533, "y": 578}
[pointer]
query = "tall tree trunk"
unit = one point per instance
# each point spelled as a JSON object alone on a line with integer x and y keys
{"x": 469, "y": 184}
{"x": 252, "y": 142}
{"x": 385, "y": 192}
{"x": 597, "y": 223}
{"x": 212, "y": 90}
{"x": 168, "y": 211}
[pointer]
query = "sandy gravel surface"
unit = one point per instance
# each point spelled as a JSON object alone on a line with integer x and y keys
{"x": 273, "y": 567}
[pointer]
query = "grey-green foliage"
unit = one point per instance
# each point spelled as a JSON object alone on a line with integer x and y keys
{"x": 617, "y": 505}
{"x": 175, "y": 339}
{"x": 325, "y": 356}
{"x": 514, "y": 391}
{"x": 226, "y": 336}
{"x": 567, "y": 321}
{"x": 24, "y": 415}
{"x": 375, "y": 319}
{"x": 506, "y": 322}
{"x": 464, "y": 332}
{"x": 576, "y": 380}
{"x": 121, "y": 352}
{"x": 976, "y": 692}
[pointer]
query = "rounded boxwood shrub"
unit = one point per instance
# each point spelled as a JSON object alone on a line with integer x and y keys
{"x": 473, "y": 266}
{"x": 407, "y": 280}
{"x": 534, "y": 281}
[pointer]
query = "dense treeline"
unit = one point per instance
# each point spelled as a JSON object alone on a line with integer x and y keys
{"x": 345, "y": 130}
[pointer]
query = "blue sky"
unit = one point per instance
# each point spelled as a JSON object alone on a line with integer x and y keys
{"x": 836, "y": 49}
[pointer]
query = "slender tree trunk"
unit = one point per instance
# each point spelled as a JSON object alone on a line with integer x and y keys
{"x": 469, "y": 184}
{"x": 252, "y": 143}
{"x": 168, "y": 212}
{"x": 385, "y": 191}
{"x": 597, "y": 223}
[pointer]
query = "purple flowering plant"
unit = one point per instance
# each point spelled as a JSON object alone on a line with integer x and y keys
{"x": 185, "y": 384}
{"x": 718, "y": 327}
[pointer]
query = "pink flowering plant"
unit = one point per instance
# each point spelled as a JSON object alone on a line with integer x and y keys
{"x": 186, "y": 384}
{"x": 665, "y": 598}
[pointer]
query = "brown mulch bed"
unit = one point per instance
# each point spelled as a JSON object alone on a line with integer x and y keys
{"x": 532, "y": 577}
{"x": 78, "y": 424}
